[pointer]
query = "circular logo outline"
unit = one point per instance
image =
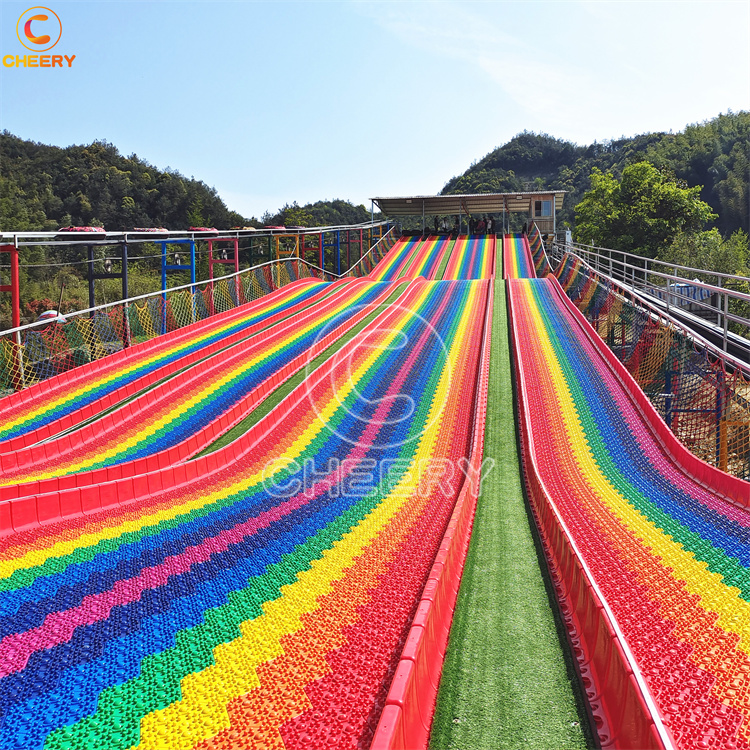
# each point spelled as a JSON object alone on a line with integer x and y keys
{"x": 38, "y": 48}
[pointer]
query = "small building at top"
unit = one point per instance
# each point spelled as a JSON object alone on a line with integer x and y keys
{"x": 540, "y": 206}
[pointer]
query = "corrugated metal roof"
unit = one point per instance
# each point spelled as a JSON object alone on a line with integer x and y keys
{"x": 476, "y": 203}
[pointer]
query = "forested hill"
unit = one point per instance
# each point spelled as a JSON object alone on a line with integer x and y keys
{"x": 713, "y": 154}
{"x": 46, "y": 187}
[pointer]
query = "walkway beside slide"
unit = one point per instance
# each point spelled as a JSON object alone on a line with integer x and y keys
{"x": 505, "y": 682}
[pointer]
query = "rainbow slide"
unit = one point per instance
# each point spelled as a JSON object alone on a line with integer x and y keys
{"x": 295, "y": 588}
{"x": 428, "y": 257}
{"x": 517, "y": 259}
{"x": 472, "y": 257}
{"x": 648, "y": 546}
{"x": 397, "y": 259}
{"x": 177, "y": 419}
{"x": 262, "y": 603}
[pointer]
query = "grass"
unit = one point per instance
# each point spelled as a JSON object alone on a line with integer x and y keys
{"x": 273, "y": 399}
{"x": 508, "y": 679}
{"x": 445, "y": 259}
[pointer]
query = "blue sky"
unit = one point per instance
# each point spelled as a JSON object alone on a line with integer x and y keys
{"x": 275, "y": 102}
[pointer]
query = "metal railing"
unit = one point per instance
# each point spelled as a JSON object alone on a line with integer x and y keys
{"x": 374, "y": 255}
{"x": 28, "y": 239}
{"x": 40, "y": 350}
{"x": 679, "y": 294}
{"x": 701, "y": 391}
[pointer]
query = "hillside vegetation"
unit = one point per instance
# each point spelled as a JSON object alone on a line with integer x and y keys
{"x": 714, "y": 155}
{"x": 47, "y": 187}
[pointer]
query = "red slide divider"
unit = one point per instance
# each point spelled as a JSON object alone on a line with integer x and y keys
{"x": 119, "y": 359}
{"x": 33, "y": 511}
{"x": 733, "y": 488}
{"x": 208, "y": 434}
{"x": 622, "y": 706}
{"x": 406, "y": 719}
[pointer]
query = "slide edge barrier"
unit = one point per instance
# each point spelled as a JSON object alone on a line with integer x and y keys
{"x": 407, "y": 716}
{"x": 624, "y": 712}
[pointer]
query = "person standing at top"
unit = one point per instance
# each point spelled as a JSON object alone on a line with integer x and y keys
{"x": 480, "y": 226}
{"x": 490, "y": 225}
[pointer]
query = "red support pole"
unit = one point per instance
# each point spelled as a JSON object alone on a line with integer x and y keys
{"x": 15, "y": 305}
{"x": 14, "y": 287}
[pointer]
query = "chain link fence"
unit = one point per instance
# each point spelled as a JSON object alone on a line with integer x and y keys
{"x": 40, "y": 351}
{"x": 702, "y": 395}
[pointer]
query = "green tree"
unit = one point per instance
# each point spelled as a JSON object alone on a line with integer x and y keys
{"x": 710, "y": 251}
{"x": 642, "y": 213}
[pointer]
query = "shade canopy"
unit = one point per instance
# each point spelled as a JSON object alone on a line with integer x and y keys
{"x": 476, "y": 203}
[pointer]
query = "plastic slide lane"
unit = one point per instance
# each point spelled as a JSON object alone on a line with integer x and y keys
{"x": 517, "y": 260}
{"x": 472, "y": 257}
{"x": 649, "y": 547}
{"x": 54, "y": 405}
{"x": 397, "y": 259}
{"x": 258, "y": 595}
{"x": 178, "y": 418}
{"x": 426, "y": 260}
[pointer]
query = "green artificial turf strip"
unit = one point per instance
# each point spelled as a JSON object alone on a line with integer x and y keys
{"x": 508, "y": 679}
{"x": 287, "y": 387}
{"x": 446, "y": 258}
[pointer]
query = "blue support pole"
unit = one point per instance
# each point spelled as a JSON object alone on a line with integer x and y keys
{"x": 164, "y": 286}
{"x": 176, "y": 267}
{"x": 338, "y": 252}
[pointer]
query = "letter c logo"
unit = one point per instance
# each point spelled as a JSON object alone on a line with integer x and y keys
{"x": 27, "y": 30}
{"x": 47, "y": 32}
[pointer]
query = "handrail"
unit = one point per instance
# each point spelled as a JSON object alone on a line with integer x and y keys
{"x": 656, "y": 312}
{"x": 161, "y": 292}
{"x": 690, "y": 282}
{"x": 133, "y": 236}
{"x": 629, "y": 275}
{"x": 657, "y": 261}
{"x": 368, "y": 252}
{"x": 544, "y": 248}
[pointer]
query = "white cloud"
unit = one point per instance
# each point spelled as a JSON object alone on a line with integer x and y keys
{"x": 589, "y": 71}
